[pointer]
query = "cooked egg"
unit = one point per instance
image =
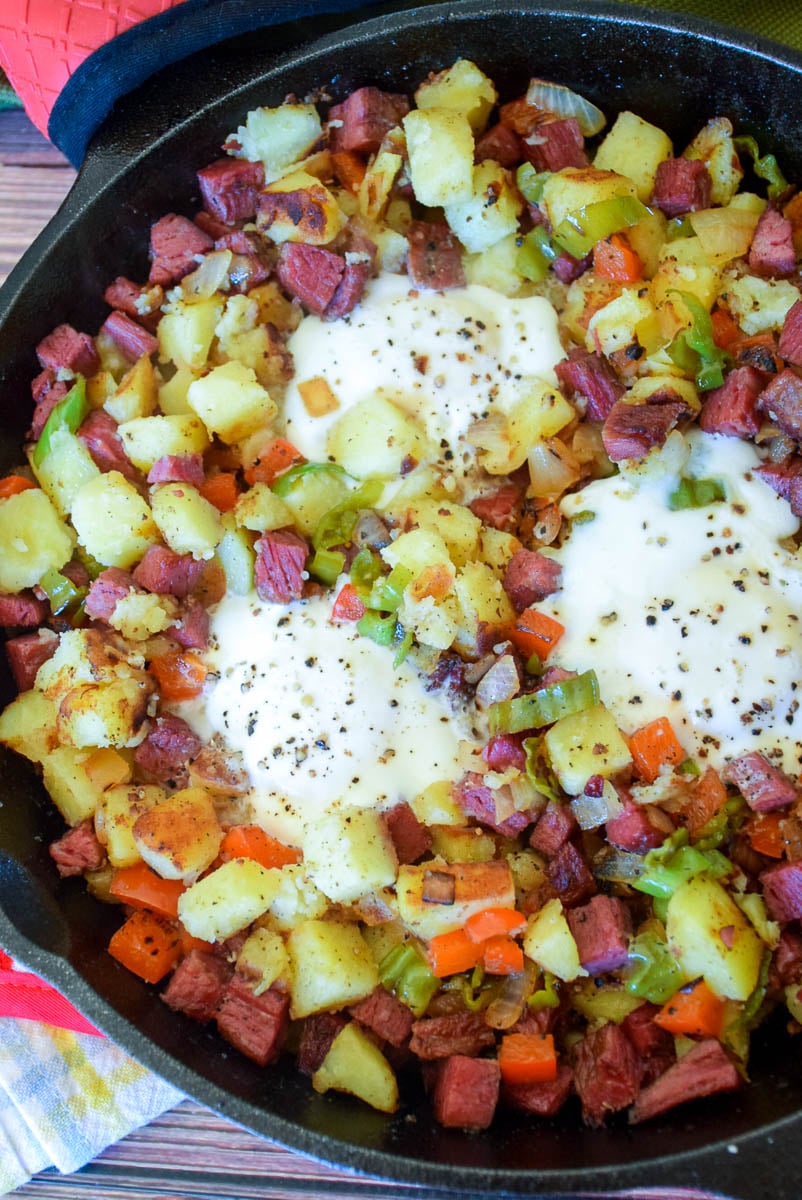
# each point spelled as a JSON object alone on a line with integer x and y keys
{"x": 319, "y": 714}
{"x": 691, "y": 614}
{"x": 447, "y": 358}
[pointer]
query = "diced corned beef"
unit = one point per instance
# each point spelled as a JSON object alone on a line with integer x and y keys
{"x": 386, "y": 1016}
{"x": 569, "y": 875}
{"x": 434, "y": 259}
{"x": 76, "y": 572}
{"x": 704, "y": 1071}
{"x": 555, "y": 675}
{"x": 130, "y": 338}
{"x": 192, "y": 631}
{"x": 567, "y": 268}
{"x": 409, "y": 836}
{"x": 772, "y": 250}
{"x": 197, "y": 985}
{"x": 632, "y": 430}
{"x": 255, "y": 1025}
{"x": 212, "y": 225}
{"x": 99, "y": 434}
{"x": 65, "y": 349}
{"x": 178, "y": 468}
{"x": 586, "y": 373}
{"x": 176, "y": 244}
{"x": 786, "y": 963}
{"x": 763, "y": 786}
{"x": 458, "y": 1033}
{"x": 163, "y": 571}
{"x": 46, "y": 390}
{"x": 498, "y": 509}
{"x": 633, "y": 830}
{"x": 318, "y": 1032}
{"x": 782, "y": 890}
{"x": 168, "y": 748}
{"x": 230, "y": 187}
{"x": 141, "y": 303}
{"x": 555, "y": 826}
{"x": 349, "y": 290}
{"x": 601, "y": 929}
{"x": 781, "y": 401}
{"x": 311, "y": 274}
{"x": 653, "y": 1044}
{"x": 530, "y": 577}
{"x": 449, "y": 675}
{"x": 27, "y": 653}
{"x": 785, "y": 478}
{"x": 78, "y": 851}
{"x": 503, "y": 752}
{"x": 682, "y": 185}
{"x": 105, "y": 593}
{"x": 556, "y": 144}
{"x": 477, "y": 800}
{"x": 280, "y": 559}
{"x": 499, "y": 144}
{"x": 466, "y": 1092}
{"x": 22, "y": 610}
{"x": 361, "y": 121}
{"x": 606, "y": 1073}
{"x": 247, "y": 271}
{"x": 732, "y": 408}
{"x": 790, "y": 344}
{"x": 541, "y": 1099}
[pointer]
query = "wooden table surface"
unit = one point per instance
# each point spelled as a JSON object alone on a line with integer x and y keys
{"x": 189, "y": 1152}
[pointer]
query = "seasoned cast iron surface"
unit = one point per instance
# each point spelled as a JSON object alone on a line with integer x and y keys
{"x": 142, "y": 165}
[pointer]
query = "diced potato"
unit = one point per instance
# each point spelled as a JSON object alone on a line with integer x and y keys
{"x": 548, "y": 941}
{"x": 433, "y": 623}
{"x": 634, "y": 148}
{"x": 572, "y": 189}
{"x": 505, "y": 439}
{"x": 186, "y": 331}
{"x": 685, "y": 267}
{"x": 462, "y": 843}
{"x": 264, "y": 957}
{"x": 106, "y": 714}
{"x": 528, "y": 871}
{"x": 69, "y": 786}
{"x": 107, "y": 768}
{"x": 377, "y": 183}
{"x": 698, "y": 911}
{"x": 476, "y": 886}
{"x": 496, "y": 547}
{"x": 275, "y": 308}
{"x": 228, "y": 899}
{"x": 454, "y": 523}
{"x": 646, "y": 237}
{"x": 584, "y": 744}
{"x": 418, "y": 550}
{"x": 82, "y": 656}
{"x": 440, "y": 148}
{"x": 296, "y": 900}
{"x": 136, "y": 394}
{"x": 173, "y": 393}
{"x": 179, "y": 837}
{"x": 497, "y": 268}
{"x": 491, "y": 213}
{"x": 33, "y": 538}
{"x": 332, "y": 967}
{"x": 318, "y": 398}
{"x": 463, "y": 88}
{"x": 66, "y": 467}
{"x": 348, "y": 853}
{"x": 726, "y": 233}
{"x": 114, "y": 524}
{"x": 713, "y": 145}
{"x": 308, "y": 496}
{"x": 299, "y": 208}
{"x": 481, "y": 598}
{"x": 759, "y": 305}
{"x": 99, "y": 387}
{"x": 236, "y": 555}
{"x": 652, "y": 385}
{"x": 354, "y": 1064}
{"x": 28, "y": 725}
{"x": 186, "y": 520}
{"x": 374, "y": 437}
{"x": 147, "y": 439}
{"x": 279, "y": 136}
{"x": 628, "y": 320}
{"x": 231, "y": 402}
{"x": 585, "y": 297}
{"x": 118, "y": 810}
{"x": 140, "y": 615}
{"x": 435, "y": 805}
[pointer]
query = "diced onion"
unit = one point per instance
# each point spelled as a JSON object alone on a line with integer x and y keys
{"x": 593, "y": 811}
{"x": 507, "y": 1007}
{"x": 617, "y": 866}
{"x": 560, "y": 101}
{"x": 210, "y": 277}
{"x": 552, "y": 468}
{"x": 501, "y": 682}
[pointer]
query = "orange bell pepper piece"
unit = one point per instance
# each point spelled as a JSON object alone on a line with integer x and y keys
{"x": 708, "y": 796}
{"x": 251, "y": 841}
{"x": 614, "y": 258}
{"x": 527, "y": 1058}
{"x": 12, "y": 485}
{"x": 494, "y": 922}
{"x": 221, "y": 490}
{"x": 180, "y": 674}
{"x": 502, "y": 956}
{"x": 347, "y": 606}
{"x": 146, "y": 945}
{"x": 694, "y": 1010}
{"x": 765, "y": 834}
{"x": 653, "y": 746}
{"x": 535, "y": 632}
{"x": 275, "y": 457}
{"x": 450, "y": 953}
{"x": 141, "y": 887}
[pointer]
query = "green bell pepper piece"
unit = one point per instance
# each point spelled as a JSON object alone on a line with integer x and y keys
{"x": 68, "y": 414}
{"x": 545, "y": 706}
{"x": 579, "y": 231}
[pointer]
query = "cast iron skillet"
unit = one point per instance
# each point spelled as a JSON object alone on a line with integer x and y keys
{"x": 676, "y": 73}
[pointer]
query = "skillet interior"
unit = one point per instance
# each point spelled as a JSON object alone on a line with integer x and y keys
{"x": 142, "y": 164}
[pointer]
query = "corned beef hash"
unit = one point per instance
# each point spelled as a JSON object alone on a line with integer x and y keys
{"x": 403, "y": 588}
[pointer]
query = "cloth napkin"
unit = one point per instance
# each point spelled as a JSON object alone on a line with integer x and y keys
{"x": 65, "y": 1091}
